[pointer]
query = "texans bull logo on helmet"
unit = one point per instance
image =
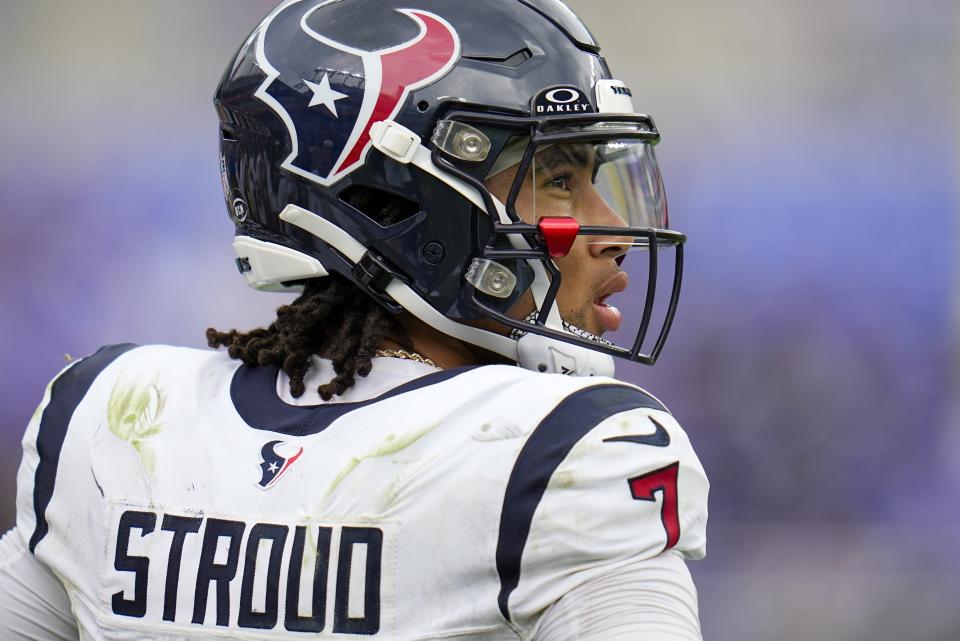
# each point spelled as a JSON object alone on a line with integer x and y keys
{"x": 329, "y": 123}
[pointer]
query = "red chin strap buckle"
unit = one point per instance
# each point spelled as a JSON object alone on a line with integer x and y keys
{"x": 558, "y": 232}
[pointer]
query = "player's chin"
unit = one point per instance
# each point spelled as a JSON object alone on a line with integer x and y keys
{"x": 587, "y": 318}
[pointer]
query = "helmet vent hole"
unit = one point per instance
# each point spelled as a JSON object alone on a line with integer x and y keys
{"x": 382, "y": 207}
{"x": 512, "y": 61}
{"x": 422, "y": 106}
{"x": 227, "y": 135}
{"x": 517, "y": 59}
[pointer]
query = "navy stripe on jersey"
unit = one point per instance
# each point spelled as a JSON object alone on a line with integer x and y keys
{"x": 254, "y": 394}
{"x": 65, "y": 395}
{"x": 542, "y": 454}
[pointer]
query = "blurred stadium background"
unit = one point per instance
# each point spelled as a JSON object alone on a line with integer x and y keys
{"x": 810, "y": 153}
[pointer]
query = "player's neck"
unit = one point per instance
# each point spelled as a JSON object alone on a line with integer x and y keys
{"x": 442, "y": 349}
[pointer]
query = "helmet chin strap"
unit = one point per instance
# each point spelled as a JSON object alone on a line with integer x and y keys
{"x": 570, "y": 328}
{"x": 543, "y": 354}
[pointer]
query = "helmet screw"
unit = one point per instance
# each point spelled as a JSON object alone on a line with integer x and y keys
{"x": 432, "y": 252}
{"x": 471, "y": 145}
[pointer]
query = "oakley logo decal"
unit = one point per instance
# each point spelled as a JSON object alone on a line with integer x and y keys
{"x": 563, "y": 96}
{"x": 561, "y": 100}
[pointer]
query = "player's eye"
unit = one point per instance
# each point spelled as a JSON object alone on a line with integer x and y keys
{"x": 562, "y": 181}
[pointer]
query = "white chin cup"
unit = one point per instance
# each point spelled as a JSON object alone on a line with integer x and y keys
{"x": 542, "y": 354}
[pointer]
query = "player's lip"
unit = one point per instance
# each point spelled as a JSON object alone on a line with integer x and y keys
{"x": 607, "y": 315}
{"x": 613, "y": 285}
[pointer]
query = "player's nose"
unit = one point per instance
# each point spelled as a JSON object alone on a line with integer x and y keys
{"x": 603, "y": 215}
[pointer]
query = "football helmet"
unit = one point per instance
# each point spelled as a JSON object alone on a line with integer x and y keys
{"x": 359, "y": 137}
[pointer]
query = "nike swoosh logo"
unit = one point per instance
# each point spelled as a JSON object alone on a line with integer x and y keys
{"x": 659, "y": 438}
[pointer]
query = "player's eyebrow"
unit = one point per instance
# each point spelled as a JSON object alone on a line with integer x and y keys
{"x": 576, "y": 155}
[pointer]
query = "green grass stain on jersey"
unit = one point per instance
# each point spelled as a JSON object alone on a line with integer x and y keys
{"x": 390, "y": 445}
{"x": 133, "y": 414}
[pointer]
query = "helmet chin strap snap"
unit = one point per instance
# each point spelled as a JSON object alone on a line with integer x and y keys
{"x": 549, "y": 355}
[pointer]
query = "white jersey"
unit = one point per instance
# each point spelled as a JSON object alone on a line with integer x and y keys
{"x": 177, "y": 494}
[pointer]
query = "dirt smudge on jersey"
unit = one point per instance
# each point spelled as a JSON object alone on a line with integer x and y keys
{"x": 563, "y": 480}
{"x": 497, "y": 430}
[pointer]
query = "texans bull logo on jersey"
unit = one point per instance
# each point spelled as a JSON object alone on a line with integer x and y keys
{"x": 274, "y": 463}
{"x": 330, "y": 97}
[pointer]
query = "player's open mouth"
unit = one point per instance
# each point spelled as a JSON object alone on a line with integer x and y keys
{"x": 608, "y": 315}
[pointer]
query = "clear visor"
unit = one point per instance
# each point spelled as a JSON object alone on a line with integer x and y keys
{"x": 613, "y": 183}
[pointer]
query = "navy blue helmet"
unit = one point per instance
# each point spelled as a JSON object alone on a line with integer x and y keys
{"x": 363, "y": 137}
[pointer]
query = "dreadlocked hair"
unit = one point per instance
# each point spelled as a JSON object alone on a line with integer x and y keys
{"x": 332, "y": 319}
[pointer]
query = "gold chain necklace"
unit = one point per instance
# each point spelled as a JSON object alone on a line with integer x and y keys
{"x": 404, "y": 354}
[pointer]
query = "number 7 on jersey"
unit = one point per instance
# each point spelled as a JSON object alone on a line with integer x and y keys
{"x": 644, "y": 487}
